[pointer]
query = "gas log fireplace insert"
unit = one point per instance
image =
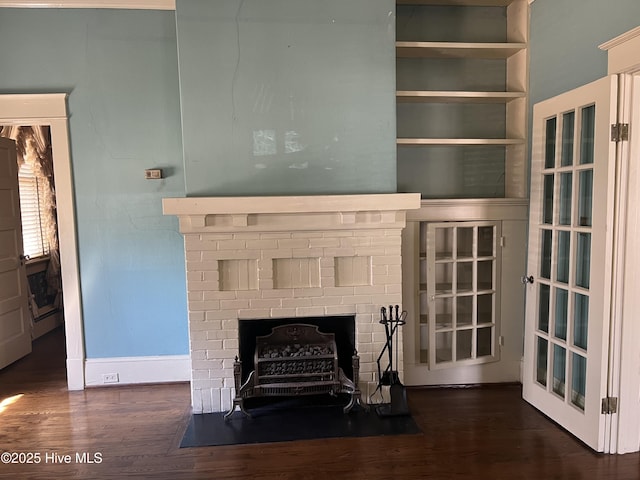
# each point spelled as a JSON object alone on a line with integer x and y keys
{"x": 295, "y": 359}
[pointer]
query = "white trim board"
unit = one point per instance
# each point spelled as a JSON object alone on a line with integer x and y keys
{"x": 123, "y": 4}
{"x": 137, "y": 370}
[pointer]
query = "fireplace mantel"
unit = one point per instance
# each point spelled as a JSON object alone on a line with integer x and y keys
{"x": 291, "y": 204}
{"x": 284, "y": 213}
{"x": 253, "y": 258}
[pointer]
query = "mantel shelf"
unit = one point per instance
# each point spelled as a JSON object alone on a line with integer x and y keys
{"x": 430, "y": 96}
{"x": 457, "y": 50}
{"x": 416, "y": 142}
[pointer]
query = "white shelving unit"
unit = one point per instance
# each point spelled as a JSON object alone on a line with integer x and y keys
{"x": 458, "y": 49}
{"x": 459, "y": 141}
{"x": 446, "y": 96}
{"x": 512, "y": 93}
{"x": 462, "y": 110}
{"x": 464, "y": 3}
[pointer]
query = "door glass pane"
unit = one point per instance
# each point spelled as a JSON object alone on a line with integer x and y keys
{"x": 464, "y": 276}
{"x": 543, "y": 308}
{"x": 464, "y": 344}
{"x": 547, "y": 213}
{"x": 583, "y": 259}
{"x": 578, "y": 380}
{"x": 541, "y": 361}
{"x": 485, "y": 275}
{"x": 580, "y": 320}
{"x": 559, "y": 369}
{"x": 545, "y": 257}
{"x": 585, "y": 198}
{"x": 550, "y": 144}
{"x": 565, "y": 198}
{"x": 465, "y": 242}
{"x": 483, "y": 347}
{"x": 444, "y": 243}
{"x": 485, "y": 241}
{"x": 444, "y": 278}
{"x": 485, "y": 309}
{"x": 568, "y": 121}
{"x": 444, "y": 312}
{"x": 587, "y": 134}
{"x": 564, "y": 245}
{"x": 443, "y": 347}
{"x": 562, "y": 302}
{"x": 464, "y": 312}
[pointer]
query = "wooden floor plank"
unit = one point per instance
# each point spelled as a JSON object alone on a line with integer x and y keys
{"x": 487, "y": 433}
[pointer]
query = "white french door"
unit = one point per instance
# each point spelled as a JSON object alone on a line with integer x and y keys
{"x": 570, "y": 259}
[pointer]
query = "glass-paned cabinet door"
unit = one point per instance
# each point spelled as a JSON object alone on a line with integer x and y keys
{"x": 459, "y": 293}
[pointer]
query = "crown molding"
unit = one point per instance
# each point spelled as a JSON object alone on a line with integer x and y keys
{"x": 123, "y": 4}
{"x": 620, "y": 39}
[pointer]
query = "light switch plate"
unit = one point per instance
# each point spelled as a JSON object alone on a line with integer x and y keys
{"x": 153, "y": 174}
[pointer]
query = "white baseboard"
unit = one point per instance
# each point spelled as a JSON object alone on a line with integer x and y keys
{"x": 132, "y": 370}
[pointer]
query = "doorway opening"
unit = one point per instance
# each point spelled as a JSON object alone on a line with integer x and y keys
{"x": 51, "y": 110}
{"x": 40, "y": 250}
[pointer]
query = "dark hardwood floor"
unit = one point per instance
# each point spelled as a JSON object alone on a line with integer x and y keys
{"x": 487, "y": 433}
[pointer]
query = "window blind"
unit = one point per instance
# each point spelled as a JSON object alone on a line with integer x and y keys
{"x": 31, "y": 205}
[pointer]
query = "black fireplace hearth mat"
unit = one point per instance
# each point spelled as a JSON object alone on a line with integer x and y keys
{"x": 268, "y": 425}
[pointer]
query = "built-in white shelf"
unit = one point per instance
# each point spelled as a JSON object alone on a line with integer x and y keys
{"x": 458, "y": 50}
{"x": 462, "y": 3}
{"x": 428, "y": 96}
{"x": 417, "y": 142}
{"x": 430, "y": 45}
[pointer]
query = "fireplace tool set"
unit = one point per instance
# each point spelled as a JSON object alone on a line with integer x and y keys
{"x": 392, "y": 319}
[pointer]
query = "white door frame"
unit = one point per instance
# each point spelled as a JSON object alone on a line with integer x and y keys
{"x": 623, "y": 54}
{"x": 51, "y": 110}
{"x": 626, "y": 355}
{"x": 624, "y": 359}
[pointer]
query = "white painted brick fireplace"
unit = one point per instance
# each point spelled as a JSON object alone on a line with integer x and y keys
{"x": 252, "y": 258}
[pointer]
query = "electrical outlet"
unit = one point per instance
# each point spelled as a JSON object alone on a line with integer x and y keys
{"x": 110, "y": 378}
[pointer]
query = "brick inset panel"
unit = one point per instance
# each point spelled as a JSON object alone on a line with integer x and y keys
{"x": 352, "y": 271}
{"x": 296, "y": 272}
{"x": 238, "y": 275}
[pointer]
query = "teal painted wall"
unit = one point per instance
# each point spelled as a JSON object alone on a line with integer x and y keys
{"x": 287, "y": 96}
{"x": 120, "y": 70}
{"x": 565, "y": 35}
{"x": 322, "y": 71}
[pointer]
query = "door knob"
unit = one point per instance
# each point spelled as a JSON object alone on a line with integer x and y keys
{"x": 526, "y": 279}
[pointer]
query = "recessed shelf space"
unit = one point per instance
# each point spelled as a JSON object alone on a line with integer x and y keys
{"x": 461, "y": 76}
{"x": 478, "y": 170}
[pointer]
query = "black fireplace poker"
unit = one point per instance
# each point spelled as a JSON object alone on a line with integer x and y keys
{"x": 398, "y": 406}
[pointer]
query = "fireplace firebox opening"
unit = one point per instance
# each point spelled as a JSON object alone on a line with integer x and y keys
{"x": 342, "y": 326}
{"x": 326, "y": 342}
